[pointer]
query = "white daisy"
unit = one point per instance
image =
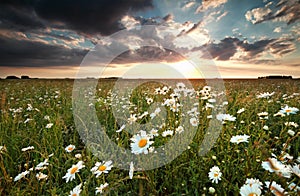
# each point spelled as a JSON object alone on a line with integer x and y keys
{"x": 101, "y": 167}
{"x": 179, "y": 129}
{"x": 28, "y": 148}
{"x": 254, "y": 181}
{"x": 140, "y": 143}
{"x": 194, "y": 122}
{"x": 275, "y": 188}
{"x": 239, "y": 138}
{"x": 250, "y": 190}
{"x": 132, "y": 118}
{"x": 167, "y": 133}
{"x": 240, "y": 110}
{"x": 70, "y": 175}
{"x": 273, "y": 165}
{"x": 49, "y": 125}
{"x": 70, "y": 148}
{"x": 215, "y": 174}
{"x": 225, "y": 117}
{"x": 265, "y": 95}
{"x": 131, "y": 170}
{"x": 101, "y": 188}
{"x": 21, "y": 175}
{"x": 76, "y": 191}
{"x": 289, "y": 110}
{"x": 296, "y": 170}
{"x": 41, "y": 176}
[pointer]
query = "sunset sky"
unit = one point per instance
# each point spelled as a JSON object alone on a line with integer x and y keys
{"x": 242, "y": 38}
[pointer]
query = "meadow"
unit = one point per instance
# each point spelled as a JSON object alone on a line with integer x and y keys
{"x": 255, "y": 153}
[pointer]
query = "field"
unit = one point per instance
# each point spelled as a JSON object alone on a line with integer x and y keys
{"x": 44, "y": 149}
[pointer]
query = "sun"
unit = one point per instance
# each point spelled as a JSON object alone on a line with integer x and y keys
{"x": 187, "y": 69}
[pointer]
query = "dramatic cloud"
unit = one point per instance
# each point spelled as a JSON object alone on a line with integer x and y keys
{"x": 37, "y": 54}
{"x": 89, "y": 17}
{"x": 285, "y": 10}
{"x": 232, "y": 48}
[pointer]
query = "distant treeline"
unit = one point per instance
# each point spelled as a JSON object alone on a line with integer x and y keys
{"x": 275, "y": 77}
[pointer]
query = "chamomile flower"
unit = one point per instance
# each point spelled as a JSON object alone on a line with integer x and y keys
{"x": 275, "y": 188}
{"x": 240, "y": 110}
{"x": 28, "y": 148}
{"x": 70, "y": 175}
{"x": 131, "y": 170}
{"x": 254, "y": 181}
{"x": 289, "y": 110}
{"x": 273, "y": 165}
{"x": 70, "y": 148}
{"x": 21, "y": 175}
{"x": 296, "y": 170}
{"x": 132, "y": 118}
{"x": 239, "y": 138}
{"x": 265, "y": 95}
{"x": 194, "y": 122}
{"x": 225, "y": 117}
{"x": 41, "y": 176}
{"x": 101, "y": 167}
{"x": 101, "y": 188}
{"x": 215, "y": 174}
{"x": 140, "y": 143}
{"x": 250, "y": 190}
{"x": 76, "y": 191}
{"x": 49, "y": 125}
{"x": 179, "y": 129}
{"x": 167, "y": 133}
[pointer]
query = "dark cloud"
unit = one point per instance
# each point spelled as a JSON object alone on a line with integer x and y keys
{"x": 148, "y": 54}
{"x": 25, "y": 53}
{"x": 223, "y": 50}
{"x": 89, "y": 17}
{"x": 228, "y": 47}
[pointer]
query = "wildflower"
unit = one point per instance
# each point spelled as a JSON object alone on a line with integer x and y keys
{"x": 121, "y": 128}
{"x": 265, "y": 95}
{"x": 101, "y": 167}
{"x": 289, "y": 110}
{"x": 76, "y": 191}
{"x": 131, "y": 170}
{"x": 155, "y": 113}
{"x": 70, "y": 175}
{"x": 167, "y": 133}
{"x": 194, "y": 122}
{"x": 70, "y": 148}
{"x": 250, "y": 190}
{"x": 273, "y": 165}
{"x": 78, "y": 156}
{"x": 132, "y": 118}
{"x": 240, "y": 110}
{"x": 21, "y": 175}
{"x": 225, "y": 117}
{"x": 291, "y": 124}
{"x": 211, "y": 190}
{"x": 149, "y": 101}
{"x": 266, "y": 127}
{"x": 42, "y": 165}
{"x": 47, "y": 117}
{"x": 101, "y": 188}
{"x": 275, "y": 188}
{"x": 291, "y": 132}
{"x": 215, "y": 174}
{"x": 296, "y": 170}
{"x": 2, "y": 149}
{"x": 140, "y": 143}
{"x": 254, "y": 181}
{"x": 153, "y": 132}
{"x": 239, "y": 138}
{"x": 293, "y": 187}
{"x": 49, "y": 125}
{"x": 41, "y": 176}
{"x": 179, "y": 129}
{"x": 28, "y": 148}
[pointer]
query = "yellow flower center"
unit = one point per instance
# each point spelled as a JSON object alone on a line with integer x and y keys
{"x": 252, "y": 194}
{"x": 142, "y": 143}
{"x": 74, "y": 194}
{"x": 70, "y": 148}
{"x": 216, "y": 174}
{"x": 73, "y": 170}
{"x": 102, "y": 168}
{"x": 288, "y": 110}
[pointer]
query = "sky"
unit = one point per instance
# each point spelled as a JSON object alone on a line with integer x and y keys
{"x": 149, "y": 38}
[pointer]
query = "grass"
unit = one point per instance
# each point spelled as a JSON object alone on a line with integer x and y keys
{"x": 28, "y": 106}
